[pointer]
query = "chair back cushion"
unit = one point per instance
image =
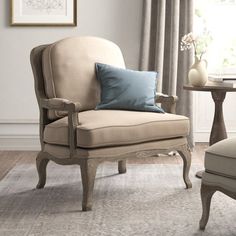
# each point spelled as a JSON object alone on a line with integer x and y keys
{"x": 69, "y": 69}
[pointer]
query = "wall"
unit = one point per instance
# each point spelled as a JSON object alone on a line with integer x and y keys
{"x": 116, "y": 20}
{"x": 204, "y": 114}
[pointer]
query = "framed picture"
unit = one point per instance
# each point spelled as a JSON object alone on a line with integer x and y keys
{"x": 44, "y": 12}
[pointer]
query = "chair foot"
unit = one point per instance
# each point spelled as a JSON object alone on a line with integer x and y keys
{"x": 88, "y": 172}
{"x": 206, "y": 195}
{"x": 202, "y": 225}
{"x": 41, "y": 164}
{"x": 185, "y": 153}
{"x": 122, "y": 166}
{"x": 86, "y": 208}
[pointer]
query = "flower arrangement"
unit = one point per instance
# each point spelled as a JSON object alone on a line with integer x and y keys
{"x": 199, "y": 44}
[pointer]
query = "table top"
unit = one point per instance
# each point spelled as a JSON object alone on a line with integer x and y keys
{"x": 209, "y": 88}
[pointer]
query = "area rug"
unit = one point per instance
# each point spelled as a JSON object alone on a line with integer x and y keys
{"x": 148, "y": 200}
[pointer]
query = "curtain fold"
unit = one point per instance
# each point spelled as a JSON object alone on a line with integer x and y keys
{"x": 164, "y": 24}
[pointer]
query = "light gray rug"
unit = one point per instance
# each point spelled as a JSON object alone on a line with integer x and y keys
{"x": 148, "y": 200}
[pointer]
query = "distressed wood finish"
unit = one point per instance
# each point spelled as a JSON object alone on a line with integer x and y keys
{"x": 88, "y": 166}
{"x": 41, "y": 164}
{"x": 88, "y": 172}
{"x": 184, "y": 152}
{"x": 122, "y": 166}
{"x": 10, "y": 159}
{"x": 206, "y": 195}
{"x": 207, "y": 192}
{"x": 168, "y": 103}
{"x": 218, "y": 130}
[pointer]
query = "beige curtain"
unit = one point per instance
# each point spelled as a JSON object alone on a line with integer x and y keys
{"x": 164, "y": 24}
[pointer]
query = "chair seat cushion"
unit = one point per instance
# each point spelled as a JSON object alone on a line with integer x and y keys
{"x": 101, "y": 128}
{"x": 220, "y": 158}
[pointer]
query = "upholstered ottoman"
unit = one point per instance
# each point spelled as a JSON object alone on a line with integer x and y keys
{"x": 219, "y": 175}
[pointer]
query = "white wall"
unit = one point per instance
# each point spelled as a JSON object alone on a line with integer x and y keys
{"x": 116, "y": 20}
{"x": 204, "y": 114}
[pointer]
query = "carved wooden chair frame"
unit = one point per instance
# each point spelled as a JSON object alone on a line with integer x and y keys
{"x": 88, "y": 166}
{"x": 207, "y": 191}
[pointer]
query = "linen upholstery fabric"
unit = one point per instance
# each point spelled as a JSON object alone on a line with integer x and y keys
{"x": 220, "y": 158}
{"x": 99, "y": 128}
{"x": 220, "y": 181}
{"x": 127, "y": 89}
{"x": 69, "y": 69}
{"x": 115, "y": 151}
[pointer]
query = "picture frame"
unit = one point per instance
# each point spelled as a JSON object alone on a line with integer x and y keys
{"x": 43, "y": 13}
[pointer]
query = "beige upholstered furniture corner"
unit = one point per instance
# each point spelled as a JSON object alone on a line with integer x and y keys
{"x": 219, "y": 175}
{"x": 72, "y": 132}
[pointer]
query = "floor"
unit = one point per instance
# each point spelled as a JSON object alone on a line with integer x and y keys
{"x": 9, "y": 159}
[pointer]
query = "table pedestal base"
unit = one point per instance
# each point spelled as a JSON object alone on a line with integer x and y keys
{"x": 199, "y": 174}
{"x": 218, "y": 131}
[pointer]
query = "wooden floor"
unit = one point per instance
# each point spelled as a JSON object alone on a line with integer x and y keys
{"x": 9, "y": 159}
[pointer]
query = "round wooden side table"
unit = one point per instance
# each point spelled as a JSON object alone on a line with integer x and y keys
{"x": 218, "y": 93}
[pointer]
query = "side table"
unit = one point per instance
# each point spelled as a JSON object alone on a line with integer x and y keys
{"x": 218, "y": 93}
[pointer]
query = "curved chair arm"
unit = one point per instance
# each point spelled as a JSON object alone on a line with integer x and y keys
{"x": 60, "y": 104}
{"x": 72, "y": 108}
{"x": 168, "y": 103}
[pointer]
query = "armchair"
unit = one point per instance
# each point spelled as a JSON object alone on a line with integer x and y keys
{"x": 72, "y": 132}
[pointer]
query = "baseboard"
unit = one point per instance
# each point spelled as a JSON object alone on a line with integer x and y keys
{"x": 20, "y": 142}
{"x": 203, "y": 136}
{"x": 19, "y": 135}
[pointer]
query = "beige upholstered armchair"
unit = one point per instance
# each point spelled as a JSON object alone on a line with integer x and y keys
{"x": 72, "y": 132}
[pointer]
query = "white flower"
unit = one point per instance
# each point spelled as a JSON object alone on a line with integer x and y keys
{"x": 188, "y": 38}
{"x": 187, "y": 41}
{"x": 199, "y": 44}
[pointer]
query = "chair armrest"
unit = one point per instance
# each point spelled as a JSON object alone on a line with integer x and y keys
{"x": 60, "y": 104}
{"x": 72, "y": 108}
{"x": 168, "y": 103}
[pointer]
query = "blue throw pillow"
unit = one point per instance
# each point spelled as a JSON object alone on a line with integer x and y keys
{"x": 127, "y": 89}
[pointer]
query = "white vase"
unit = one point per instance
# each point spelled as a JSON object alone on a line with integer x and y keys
{"x": 197, "y": 74}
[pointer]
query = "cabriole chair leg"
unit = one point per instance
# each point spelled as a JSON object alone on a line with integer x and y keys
{"x": 41, "y": 163}
{"x": 88, "y": 173}
{"x": 206, "y": 195}
{"x": 122, "y": 166}
{"x": 185, "y": 153}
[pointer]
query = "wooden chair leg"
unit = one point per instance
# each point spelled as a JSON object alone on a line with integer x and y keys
{"x": 206, "y": 195}
{"x": 88, "y": 172}
{"x": 185, "y": 153}
{"x": 41, "y": 163}
{"x": 122, "y": 166}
